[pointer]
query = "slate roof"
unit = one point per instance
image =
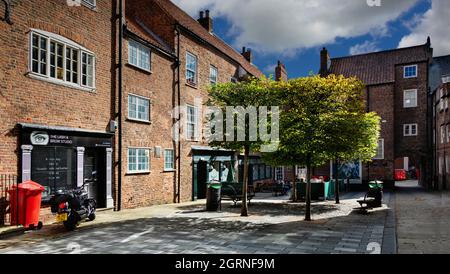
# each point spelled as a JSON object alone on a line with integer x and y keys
{"x": 379, "y": 67}
{"x": 185, "y": 20}
{"x": 444, "y": 64}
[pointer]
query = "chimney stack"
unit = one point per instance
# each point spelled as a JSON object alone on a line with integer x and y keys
{"x": 325, "y": 63}
{"x": 247, "y": 53}
{"x": 206, "y": 21}
{"x": 280, "y": 72}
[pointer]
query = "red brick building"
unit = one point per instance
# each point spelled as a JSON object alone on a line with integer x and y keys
{"x": 55, "y": 94}
{"x": 397, "y": 88}
{"x": 170, "y": 61}
{"x": 440, "y": 78}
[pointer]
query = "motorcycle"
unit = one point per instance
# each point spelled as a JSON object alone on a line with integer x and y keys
{"x": 73, "y": 206}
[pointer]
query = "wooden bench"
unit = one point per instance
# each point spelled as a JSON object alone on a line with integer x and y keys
{"x": 233, "y": 192}
{"x": 369, "y": 201}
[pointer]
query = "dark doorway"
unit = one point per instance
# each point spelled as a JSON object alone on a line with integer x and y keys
{"x": 95, "y": 172}
{"x": 202, "y": 173}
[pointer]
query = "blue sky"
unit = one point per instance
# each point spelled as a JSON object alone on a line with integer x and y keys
{"x": 294, "y": 31}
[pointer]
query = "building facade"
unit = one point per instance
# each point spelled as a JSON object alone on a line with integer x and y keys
{"x": 55, "y": 95}
{"x": 397, "y": 89}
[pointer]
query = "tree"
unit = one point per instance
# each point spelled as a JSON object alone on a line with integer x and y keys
{"x": 241, "y": 102}
{"x": 314, "y": 111}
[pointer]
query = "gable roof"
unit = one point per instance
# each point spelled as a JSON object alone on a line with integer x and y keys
{"x": 186, "y": 21}
{"x": 444, "y": 64}
{"x": 379, "y": 67}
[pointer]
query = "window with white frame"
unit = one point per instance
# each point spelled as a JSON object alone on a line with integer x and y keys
{"x": 169, "y": 159}
{"x": 90, "y": 3}
{"x": 380, "y": 150}
{"x": 61, "y": 60}
{"x": 138, "y": 160}
{"x": 192, "y": 122}
{"x": 138, "y": 108}
{"x": 279, "y": 174}
{"x": 410, "y": 71}
{"x": 191, "y": 69}
{"x": 410, "y": 98}
{"x": 410, "y": 130}
{"x": 139, "y": 55}
{"x": 213, "y": 75}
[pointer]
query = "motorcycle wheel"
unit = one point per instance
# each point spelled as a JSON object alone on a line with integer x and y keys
{"x": 91, "y": 217}
{"x": 71, "y": 222}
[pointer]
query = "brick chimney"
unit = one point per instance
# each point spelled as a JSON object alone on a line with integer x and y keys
{"x": 325, "y": 62}
{"x": 280, "y": 72}
{"x": 206, "y": 21}
{"x": 247, "y": 53}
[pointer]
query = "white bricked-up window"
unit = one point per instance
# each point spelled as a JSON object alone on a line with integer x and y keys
{"x": 138, "y": 160}
{"x": 59, "y": 60}
{"x": 380, "y": 150}
{"x": 410, "y": 98}
{"x": 442, "y": 134}
{"x": 447, "y": 164}
{"x": 191, "y": 122}
{"x": 213, "y": 75}
{"x": 191, "y": 69}
{"x": 169, "y": 159}
{"x": 138, "y": 108}
{"x": 410, "y": 130}
{"x": 441, "y": 165}
{"x": 410, "y": 71}
{"x": 139, "y": 55}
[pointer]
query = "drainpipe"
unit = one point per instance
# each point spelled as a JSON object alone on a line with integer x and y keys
{"x": 120, "y": 66}
{"x": 177, "y": 29}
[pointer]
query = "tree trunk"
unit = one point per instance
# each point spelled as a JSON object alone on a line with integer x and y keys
{"x": 336, "y": 181}
{"x": 308, "y": 189}
{"x": 294, "y": 185}
{"x": 244, "y": 209}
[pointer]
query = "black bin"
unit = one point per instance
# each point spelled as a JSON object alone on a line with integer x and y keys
{"x": 213, "y": 196}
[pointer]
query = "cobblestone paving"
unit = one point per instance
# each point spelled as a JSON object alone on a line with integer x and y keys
{"x": 186, "y": 232}
{"x": 423, "y": 220}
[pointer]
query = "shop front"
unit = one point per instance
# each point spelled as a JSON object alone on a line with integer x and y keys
{"x": 61, "y": 158}
{"x": 211, "y": 165}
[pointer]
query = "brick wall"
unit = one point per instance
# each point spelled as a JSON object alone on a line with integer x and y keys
{"x": 23, "y": 99}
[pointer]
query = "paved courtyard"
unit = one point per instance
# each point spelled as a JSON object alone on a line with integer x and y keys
{"x": 275, "y": 226}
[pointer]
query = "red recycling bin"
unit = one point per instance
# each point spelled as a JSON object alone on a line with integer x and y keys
{"x": 28, "y": 204}
{"x": 400, "y": 175}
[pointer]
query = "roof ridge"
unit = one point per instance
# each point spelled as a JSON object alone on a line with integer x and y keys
{"x": 378, "y": 52}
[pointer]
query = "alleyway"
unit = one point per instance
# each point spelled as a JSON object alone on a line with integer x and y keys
{"x": 423, "y": 219}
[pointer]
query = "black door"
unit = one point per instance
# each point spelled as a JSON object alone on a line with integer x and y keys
{"x": 201, "y": 179}
{"x": 95, "y": 172}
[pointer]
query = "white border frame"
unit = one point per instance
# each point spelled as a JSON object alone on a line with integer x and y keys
{"x": 375, "y": 158}
{"x": 195, "y": 84}
{"x": 409, "y": 66}
{"x": 410, "y": 134}
{"x": 173, "y": 163}
{"x": 137, "y": 56}
{"x": 149, "y": 161}
{"x": 149, "y": 108}
{"x": 404, "y": 95}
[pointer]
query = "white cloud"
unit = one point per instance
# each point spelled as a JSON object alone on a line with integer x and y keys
{"x": 274, "y": 26}
{"x": 367, "y": 46}
{"x": 434, "y": 23}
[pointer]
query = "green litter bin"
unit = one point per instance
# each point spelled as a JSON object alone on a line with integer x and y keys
{"x": 376, "y": 191}
{"x": 213, "y": 199}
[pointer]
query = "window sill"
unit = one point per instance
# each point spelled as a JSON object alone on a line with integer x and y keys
{"x": 139, "y": 68}
{"x": 147, "y": 122}
{"x": 129, "y": 173}
{"x": 35, "y": 76}
{"x": 169, "y": 170}
{"x": 192, "y": 85}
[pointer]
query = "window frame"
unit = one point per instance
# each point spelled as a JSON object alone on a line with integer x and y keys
{"x": 410, "y": 66}
{"x": 138, "y": 97}
{"x": 66, "y": 44}
{"x": 409, "y": 126}
{"x": 137, "y": 171}
{"x": 211, "y": 69}
{"x": 139, "y": 50}
{"x": 404, "y": 98}
{"x": 173, "y": 159}
{"x": 382, "y": 150}
{"x": 195, "y": 123}
{"x": 276, "y": 171}
{"x": 89, "y": 5}
{"x": 195, "y": 83}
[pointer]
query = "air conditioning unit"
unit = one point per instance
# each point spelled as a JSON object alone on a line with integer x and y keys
{"x": 158, "y": 152}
